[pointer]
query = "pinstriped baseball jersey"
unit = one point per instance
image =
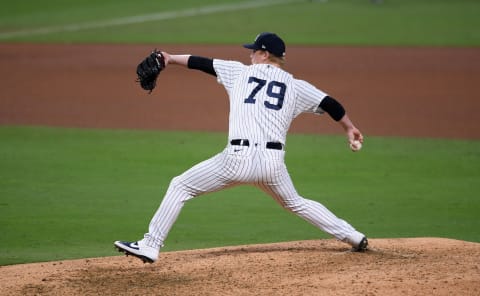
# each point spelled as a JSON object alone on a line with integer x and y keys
{"x": 264, "y": 100}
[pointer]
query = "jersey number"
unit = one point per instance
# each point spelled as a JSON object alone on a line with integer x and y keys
{"x": 275, "y": 89}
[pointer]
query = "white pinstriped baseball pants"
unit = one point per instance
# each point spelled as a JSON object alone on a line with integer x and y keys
{"x": 262, "y": 167}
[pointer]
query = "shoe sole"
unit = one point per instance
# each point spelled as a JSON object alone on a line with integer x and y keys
{"x": 128, "y": 253}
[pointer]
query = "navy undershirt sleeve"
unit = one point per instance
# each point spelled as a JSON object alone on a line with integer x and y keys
{"x": 333, "y": 108}
{"x": 202, "y": 64}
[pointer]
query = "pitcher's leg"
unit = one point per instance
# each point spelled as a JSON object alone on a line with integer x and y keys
{"x": 166, "y": 215}
{"x": 283, "y": 191}
{"x": 207, "y": 176}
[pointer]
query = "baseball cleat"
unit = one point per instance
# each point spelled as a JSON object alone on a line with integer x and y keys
{"x": 362, "y": 246}
{"x": 138, "y": 249}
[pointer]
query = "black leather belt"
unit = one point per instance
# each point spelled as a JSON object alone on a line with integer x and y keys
{"x": 269, "y": 145}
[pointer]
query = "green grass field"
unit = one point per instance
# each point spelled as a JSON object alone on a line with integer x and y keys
{"x": 69, "y": 193}
{"x": 339, "y": 22}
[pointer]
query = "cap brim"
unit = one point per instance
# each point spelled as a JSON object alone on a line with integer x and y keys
{"x": 251, "y": 46}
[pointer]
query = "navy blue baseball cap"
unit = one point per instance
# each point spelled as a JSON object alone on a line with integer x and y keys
{"x": 269, "y": 42}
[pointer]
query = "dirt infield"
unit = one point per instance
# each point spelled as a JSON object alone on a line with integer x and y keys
{"x": 413, "y": 92}
{"x": 422, "y": 266}
{"x": 421, "y": 92}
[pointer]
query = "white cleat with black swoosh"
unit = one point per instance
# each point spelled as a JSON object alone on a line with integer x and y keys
{"x": 138, "y": 249}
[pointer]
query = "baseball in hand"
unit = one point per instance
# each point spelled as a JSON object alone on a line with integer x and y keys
{"x": 356, "y": 145}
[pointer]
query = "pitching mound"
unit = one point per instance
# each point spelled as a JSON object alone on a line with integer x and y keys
{"x": 419, "y": 266}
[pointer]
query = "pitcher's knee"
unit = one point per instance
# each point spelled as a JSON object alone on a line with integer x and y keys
{"x": 295, "y": 205}
{"x": 177, "y": 190}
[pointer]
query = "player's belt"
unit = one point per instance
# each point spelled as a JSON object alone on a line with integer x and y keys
{"x": 269, "y": 145}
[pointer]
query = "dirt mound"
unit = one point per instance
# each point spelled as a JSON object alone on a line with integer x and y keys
{"x": 418, "y": 266}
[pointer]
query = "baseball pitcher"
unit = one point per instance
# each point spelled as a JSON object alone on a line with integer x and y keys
{"x": 264, "y": 99}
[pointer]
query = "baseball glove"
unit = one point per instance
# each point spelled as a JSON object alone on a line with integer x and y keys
{"x": 149, "y": 69}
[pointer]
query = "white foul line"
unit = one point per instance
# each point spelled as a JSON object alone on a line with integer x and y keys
{"x": 145, "y": 18}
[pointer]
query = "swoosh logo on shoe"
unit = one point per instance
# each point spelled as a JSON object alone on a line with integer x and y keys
{"x": 134, "y": 246}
